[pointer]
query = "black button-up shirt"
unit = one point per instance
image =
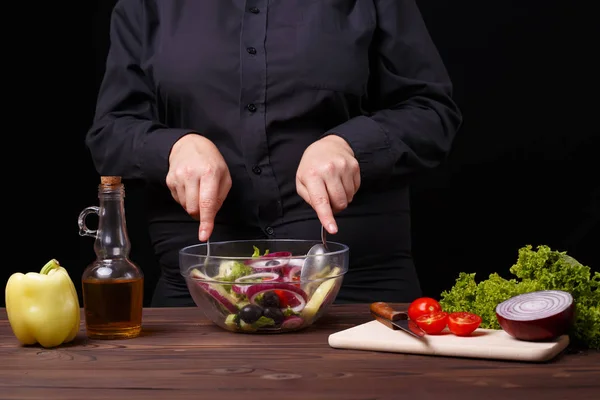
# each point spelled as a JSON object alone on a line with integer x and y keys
{"x": 263, "y": 79}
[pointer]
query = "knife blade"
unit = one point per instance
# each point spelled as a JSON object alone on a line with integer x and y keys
{"x": 393, "y": 319}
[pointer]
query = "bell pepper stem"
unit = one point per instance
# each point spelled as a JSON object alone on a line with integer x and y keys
{"x": 50, "y": 265}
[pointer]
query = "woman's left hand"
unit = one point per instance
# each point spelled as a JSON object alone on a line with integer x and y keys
{"x": 328, "y": 176}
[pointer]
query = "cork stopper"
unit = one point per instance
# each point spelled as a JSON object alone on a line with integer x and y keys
{"x": 110, "y": 180}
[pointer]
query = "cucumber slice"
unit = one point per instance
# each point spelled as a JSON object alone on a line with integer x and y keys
{"x": 319, "y": 297}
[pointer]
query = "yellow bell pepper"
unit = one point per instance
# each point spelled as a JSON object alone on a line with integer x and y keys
{"x": 43, "y": 307}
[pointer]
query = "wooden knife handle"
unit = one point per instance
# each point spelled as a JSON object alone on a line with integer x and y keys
{"x": 384, "y": 310}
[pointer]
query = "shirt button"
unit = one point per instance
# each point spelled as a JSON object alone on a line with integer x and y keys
{"x": 269, "y": 230}
{"x": 251, "y": 50}
{"x": 256, "y": 169}
{"x": 254, "y": 10}
{"x": 251, "y": 107}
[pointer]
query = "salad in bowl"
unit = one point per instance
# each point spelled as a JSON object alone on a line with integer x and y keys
{"x": 259, "y": 286}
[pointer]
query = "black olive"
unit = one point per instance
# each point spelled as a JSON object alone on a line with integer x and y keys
{"x": 275, "y": 314}
{"x": 271, "y": 263}
{"x": 270, "y": 299}
{"x": 250, "y": 313}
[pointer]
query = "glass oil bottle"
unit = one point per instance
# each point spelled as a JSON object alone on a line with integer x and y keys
{"x": 113, "y": 286}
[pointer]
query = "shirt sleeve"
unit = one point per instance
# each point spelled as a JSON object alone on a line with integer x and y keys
{"x": 413, "y": 119}
{"x": 126, "y": 137}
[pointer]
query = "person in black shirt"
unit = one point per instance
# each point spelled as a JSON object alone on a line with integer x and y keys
{"x": 266, "y": 119}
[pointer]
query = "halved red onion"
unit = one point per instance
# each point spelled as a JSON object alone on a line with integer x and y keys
{"x": 297, "y": 296}
{"x": 537, "y": 316}
{"x": 216, "y": 291}
{"x": 262, "y": 276}
{"x": 273, "y": 262}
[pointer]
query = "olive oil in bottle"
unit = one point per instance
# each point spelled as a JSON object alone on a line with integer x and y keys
{"x": 113, "y": 286}
{"x": 113, "y": 307}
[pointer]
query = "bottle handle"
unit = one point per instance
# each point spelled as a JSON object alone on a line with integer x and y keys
{"x": 83, "y": 229}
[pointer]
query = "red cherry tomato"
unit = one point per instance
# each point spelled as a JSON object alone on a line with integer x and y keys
{"x": 434, "y": 323}
{"x": 283, "y": 298}
{"x": 463, "y": 323}
{"x": 287, "y": 299}
{"x": 423, "y": 306}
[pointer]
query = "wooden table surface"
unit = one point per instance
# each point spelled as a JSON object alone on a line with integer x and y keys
{"x": 180, "y": 355}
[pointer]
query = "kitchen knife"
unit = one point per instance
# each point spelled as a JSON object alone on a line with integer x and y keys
{"x": 393, "y": 319}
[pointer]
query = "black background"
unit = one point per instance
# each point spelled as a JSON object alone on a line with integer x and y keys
{"x": 523, "y": 169}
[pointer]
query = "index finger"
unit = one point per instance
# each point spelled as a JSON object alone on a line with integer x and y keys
{"x": 319, "y": 200}
{"x": 209, "y": 203}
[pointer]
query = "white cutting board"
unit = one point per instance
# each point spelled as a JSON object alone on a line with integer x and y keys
{"x": 483, "y": 343}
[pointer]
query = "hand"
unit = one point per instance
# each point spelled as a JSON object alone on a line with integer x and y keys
{"x": 198, "y": 179}
{"x": 328, "y": 177}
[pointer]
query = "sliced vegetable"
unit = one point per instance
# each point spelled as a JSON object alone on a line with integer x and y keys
{"x": 320, "y": 296}
{"x": 463, "y": 323}
{"x": 273, "y": 262}
{"x": 423, "y": 306}
{"x": 231, "y": 270}
{"x": 216, "y": 291}
{"x": 293, "y": 274}
{"x": 262, "y": 288}
{"x": 232, "y": 321}
{"x": 292, "y": 322}
{"x": 256, "y": 277}
{"x": 434, "y": 323}
{"x": 226, "y": 267}
{"x": 536, "y": 316}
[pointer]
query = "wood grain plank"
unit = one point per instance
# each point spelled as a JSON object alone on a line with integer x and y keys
{"x": 180, "y": 355}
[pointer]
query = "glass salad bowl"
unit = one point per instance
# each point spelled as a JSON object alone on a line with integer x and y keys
{"x": 255, "y": 286}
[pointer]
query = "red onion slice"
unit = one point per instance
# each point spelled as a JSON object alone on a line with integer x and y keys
{"x": 216, "y": 291}
{"x": 537, "y": 316}
{"x": 293, "y": 267}
{"x": 271, "y": 262}
{"x": 293, "y": 273}
{"x": 263, "y": 276}
{"x": 298, "y": 294}
{"x": 292, "y": 322}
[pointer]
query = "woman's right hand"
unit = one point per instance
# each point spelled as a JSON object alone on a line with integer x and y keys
{"x": 198, "y": 179}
